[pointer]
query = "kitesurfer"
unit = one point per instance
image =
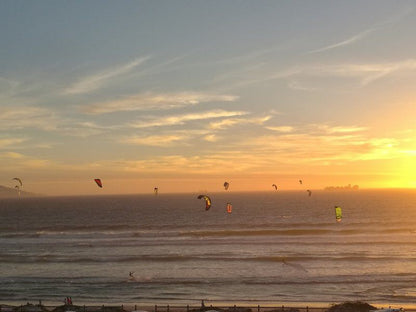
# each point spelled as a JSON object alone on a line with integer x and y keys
{"x": 207, "y": 201}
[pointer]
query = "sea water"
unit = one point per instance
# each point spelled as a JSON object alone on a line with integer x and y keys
{"x": 275, "y": 247}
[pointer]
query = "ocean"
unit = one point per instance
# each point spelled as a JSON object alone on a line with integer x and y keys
{"x": 274, "y": 248}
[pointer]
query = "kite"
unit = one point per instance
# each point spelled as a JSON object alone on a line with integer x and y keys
{"x": 275, "y": 186}
{"x": 338, "y": 213}
{"x": 229, "y": 207}
{"x": 19, "y": 180}
{"x": 300, "y": 182}
{"x": 226, "y": 185}
{"x": 99, "y": 183}
{"x": 131, "y": 276}
{"x": 207, "y": 201}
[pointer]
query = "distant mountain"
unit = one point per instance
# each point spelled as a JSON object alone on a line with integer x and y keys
{"x": 8, "y": 192}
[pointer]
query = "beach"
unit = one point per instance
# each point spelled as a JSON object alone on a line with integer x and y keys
{"x": 346, "y": 307}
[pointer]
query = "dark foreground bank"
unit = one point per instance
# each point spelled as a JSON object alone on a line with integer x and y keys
{"x": 356, "y": 306}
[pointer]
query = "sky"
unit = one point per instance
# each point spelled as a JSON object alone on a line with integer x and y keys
{"x": 184, "y": 95}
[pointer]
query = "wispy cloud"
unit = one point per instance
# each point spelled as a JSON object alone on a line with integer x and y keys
{"x": 230, "y": 122}
{"x": 284, "y": 129}
{"x": 29, "y": 117}
{"x": 365, "y": 73}
{"x": 12, "y": 155}
{"x": 314, "y": 147}
{"x": 7, "y": 142}
{"x": 165, "y": 138}
{"x": 96, "y": 81}
{"x": 374, "y": 72}
{"x": 348, "y": 129}
{"x": 18, "y": 161}
{"x": 365, "y": 33}
{"x": 12, "y": 117}
{"x": 154, "y": 140}
{"x": 85, "y": 129}
{"x": 341, "y": 145}
{"x": 181, "y": 119}
{"x": 78, "y": 130}
{"x": 311, "y": 145}
{"x": 211, "y": 138}
{"x": 150, "y": 101}
{"x": 211, "y": 163}
{"x": 296, "y": 85}
{"x": 351, "y": 40}
{"x": 207, "y": 132}
{"x": 307, "y": 77}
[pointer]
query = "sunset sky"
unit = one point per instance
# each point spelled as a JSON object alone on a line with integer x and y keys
{"x": 185, "y": 95}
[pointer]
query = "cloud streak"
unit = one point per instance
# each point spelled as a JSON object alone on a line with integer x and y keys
{"x": 27, "y": 117}
{"x": 335, "y": 130}
{"x": 230, "y": 122}
{"x": 365, "y": 73}
{"x": 16, "y": 161}
{"x": 155, "y": 140}
{"x": 150, "y": 101}
{"x": 287, "y": 150}
{"x": 7, "y": 142}
{"x": 342, "y": 145}
{"x": 351, "y": 40}
{"x": 181, "y": 119}
{"x": 284, "y": 129}
{"x": 307, "y": 77}
{"x": 93, "y": 82}
{"x": 364, "y": 34}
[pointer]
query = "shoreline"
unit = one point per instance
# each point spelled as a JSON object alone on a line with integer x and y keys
{"x": 164, "y": 307}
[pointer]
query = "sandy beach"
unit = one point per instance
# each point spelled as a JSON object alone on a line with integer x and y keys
{"x": 356, "y": 306}
{"x": 29, "y": 307}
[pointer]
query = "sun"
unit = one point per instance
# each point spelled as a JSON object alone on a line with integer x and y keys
{"x": 405, "y": 176}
